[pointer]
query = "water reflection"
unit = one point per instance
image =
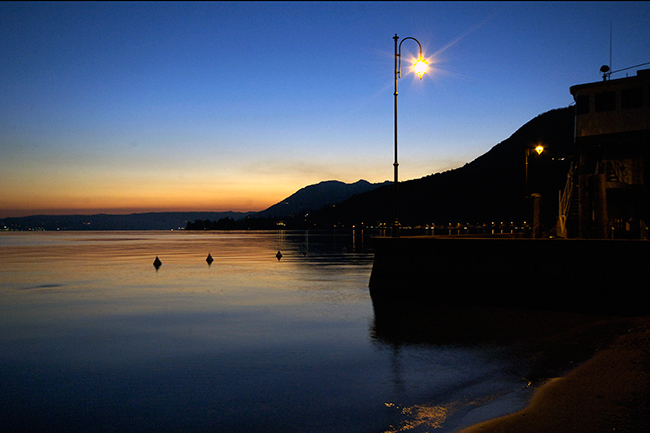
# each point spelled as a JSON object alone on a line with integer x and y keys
{"x": 510, "y": 351}
{"x": 249, "y": 343}
{"x": 398, "y": 322}
{"x": 445, "y": 387}
{"x": 426, "y": 416}
{"x": 97, "y": 342}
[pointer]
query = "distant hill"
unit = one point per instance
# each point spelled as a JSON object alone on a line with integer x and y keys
{"x": 490, "y": 188}
{"x": 135, "y": 221}
{"x": 315, "y": 197}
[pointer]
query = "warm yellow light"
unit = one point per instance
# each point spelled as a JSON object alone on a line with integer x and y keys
{"x": 539, "y": 149}
{"x": 420, "y": 67}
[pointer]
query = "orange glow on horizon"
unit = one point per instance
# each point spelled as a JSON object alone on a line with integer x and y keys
{"x": 127, "y": 205}
{"x": 127, "y": 202}
{"x": 64, "y": 188}
{"x": 61, "y": 194}
{"x": 125, "y": 210}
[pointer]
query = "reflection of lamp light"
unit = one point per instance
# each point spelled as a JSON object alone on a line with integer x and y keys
{"x": 420, "y": 67}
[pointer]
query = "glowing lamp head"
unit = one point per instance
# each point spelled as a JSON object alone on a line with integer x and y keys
{"x": 420, "y": 67}
{"x": 539, "y": 149}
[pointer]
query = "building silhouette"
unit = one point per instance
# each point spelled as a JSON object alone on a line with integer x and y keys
{"x": 606, "y": 195}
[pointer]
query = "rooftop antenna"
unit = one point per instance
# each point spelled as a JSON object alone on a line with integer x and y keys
{"x": 610, "y": 46}
{"x": 624, "y": 69}
{"x": 606, "y": 70}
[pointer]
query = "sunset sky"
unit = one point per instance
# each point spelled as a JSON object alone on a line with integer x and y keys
{"x": 148, "y": 107}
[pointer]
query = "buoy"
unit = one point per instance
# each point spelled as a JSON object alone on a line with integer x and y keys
{"x": 279, "y": 255}
{"x": 209, "y": 259}
{"x": 157, "y": 263}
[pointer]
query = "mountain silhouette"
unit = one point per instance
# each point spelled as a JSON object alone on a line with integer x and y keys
{"x": 315, "y": 197}
{"x": 134, "y": 221}
{"x": 492, "y": 188}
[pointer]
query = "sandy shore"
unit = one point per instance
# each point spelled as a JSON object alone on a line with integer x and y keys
{"x": 609, "y": 392}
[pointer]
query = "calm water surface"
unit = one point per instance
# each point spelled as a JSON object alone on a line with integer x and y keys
{"x": 94, "y": 338}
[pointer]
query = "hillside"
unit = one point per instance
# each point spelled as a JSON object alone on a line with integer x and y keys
{"x": 315, "y": 197}
{"x": 135, "y": 221}
{"x": 490, "y": 188}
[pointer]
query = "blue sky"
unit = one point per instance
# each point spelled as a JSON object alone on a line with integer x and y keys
{"x": 135, "y": 107}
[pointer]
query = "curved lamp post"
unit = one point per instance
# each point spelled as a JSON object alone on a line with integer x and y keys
{"x": 420, "y": 68}
{"x": 537, "y": 226}
{"x": 539, "y": 149}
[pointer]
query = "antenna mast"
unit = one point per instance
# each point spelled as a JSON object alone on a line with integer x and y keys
{"x": 606, "y": 70}
{"x": 610, "y": 45}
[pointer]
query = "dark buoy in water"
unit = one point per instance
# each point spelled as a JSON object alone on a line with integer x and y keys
{"x": 157, "y": 263}
{"x": 279, "y": 255}
{"x": 209, "y": 259}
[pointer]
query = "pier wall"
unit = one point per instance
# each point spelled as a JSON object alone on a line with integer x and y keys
{"x": 577, "y": 275}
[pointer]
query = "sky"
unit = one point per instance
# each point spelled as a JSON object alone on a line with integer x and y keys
{"x": 233, "y": 106}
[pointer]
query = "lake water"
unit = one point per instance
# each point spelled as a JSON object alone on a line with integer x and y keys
{"x": 94, "y": 338}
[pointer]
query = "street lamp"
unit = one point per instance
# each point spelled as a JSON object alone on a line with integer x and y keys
{"x": 537, "y": 226}
{"x": 420, "y": 68}
{"x": 539, "y": 149}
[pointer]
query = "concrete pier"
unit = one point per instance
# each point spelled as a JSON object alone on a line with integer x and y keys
{"x": 576, "y": 275}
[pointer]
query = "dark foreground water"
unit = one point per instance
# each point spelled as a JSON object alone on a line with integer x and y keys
{"x": 94, "y": 338}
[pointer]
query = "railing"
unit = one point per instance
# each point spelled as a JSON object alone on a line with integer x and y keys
{"x": 565, "y": 204}
{"x": 565, "y": 198}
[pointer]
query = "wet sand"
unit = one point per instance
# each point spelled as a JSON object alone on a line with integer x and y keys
{"x": 590, "y": 373}
{"x": 609, "y": 392}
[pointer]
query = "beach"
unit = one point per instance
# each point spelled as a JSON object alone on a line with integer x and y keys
{"x": 586, "y": 373}
{"x": 581, "y": 334}
{"x": 608, "y": 392}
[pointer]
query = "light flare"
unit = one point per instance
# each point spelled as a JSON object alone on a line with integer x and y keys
{"x": 420, "y": 67}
